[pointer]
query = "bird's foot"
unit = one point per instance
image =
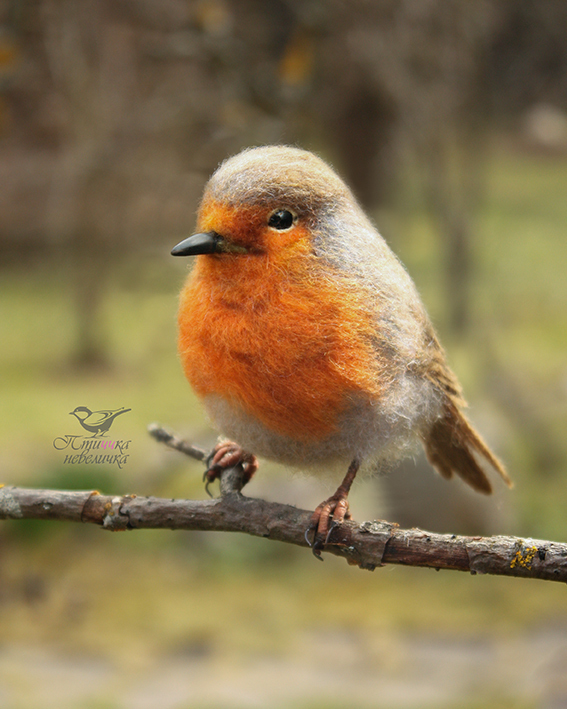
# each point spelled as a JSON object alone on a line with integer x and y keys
{"x": 227, "y": 454}
{"x": 330, "y": 514}
{"x": 327, "y": 516}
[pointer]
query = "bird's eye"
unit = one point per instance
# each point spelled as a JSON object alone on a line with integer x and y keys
{"x": 281, "y": 219}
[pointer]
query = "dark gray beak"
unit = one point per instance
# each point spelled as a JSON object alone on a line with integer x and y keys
{"x": 206, "y": 243}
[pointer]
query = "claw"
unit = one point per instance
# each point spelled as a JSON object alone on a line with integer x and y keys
{"x": 209, "y": 493}
{"x": 209, "y": 476}
{"x": 334, "y": 524}
{"x": 317, "y": 552}
{"x": 314, "y": 544}
{"x": 311, "y": 530}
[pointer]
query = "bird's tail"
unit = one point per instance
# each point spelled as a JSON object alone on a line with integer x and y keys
{"x": 453, "y": 446}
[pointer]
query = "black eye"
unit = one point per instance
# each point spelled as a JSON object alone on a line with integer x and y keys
{"x": 281, "y": 219}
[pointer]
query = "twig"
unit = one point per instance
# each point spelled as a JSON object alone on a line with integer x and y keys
{"x": 172, "y": 441}
{"x": 367, "y": 545}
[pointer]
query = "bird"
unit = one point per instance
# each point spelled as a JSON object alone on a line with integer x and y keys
{"x": 96, "y": 422}
{"x": 306, "y": 339}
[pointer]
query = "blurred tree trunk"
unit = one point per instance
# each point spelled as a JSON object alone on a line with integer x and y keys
{"x": 363, "y": 131}
{"x": 92, "y": 66}
{"x": 454, "y": 179}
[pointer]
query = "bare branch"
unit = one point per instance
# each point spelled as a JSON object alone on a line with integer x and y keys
{"x": 178, "y": 444}
{"x": 367, "y": 545}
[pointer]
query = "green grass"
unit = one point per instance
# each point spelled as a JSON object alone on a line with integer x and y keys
{"x": 195, "y": 596}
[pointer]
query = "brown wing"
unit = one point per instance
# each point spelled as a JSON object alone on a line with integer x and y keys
{"x": 451, "y": 444}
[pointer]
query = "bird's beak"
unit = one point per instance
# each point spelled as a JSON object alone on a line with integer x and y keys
{"x": 206, "y": 243}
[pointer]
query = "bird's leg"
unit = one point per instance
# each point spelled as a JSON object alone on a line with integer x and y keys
{"x": 227, "y": 454}
{"x": 319, "y": 530}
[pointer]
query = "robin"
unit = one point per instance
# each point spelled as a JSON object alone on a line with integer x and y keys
{"x": 96, "y": 422}
{"x": 306, "y": 338}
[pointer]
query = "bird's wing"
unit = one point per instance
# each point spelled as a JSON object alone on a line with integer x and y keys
{"x": 452, "y": 444}
{"x": 99, "y": 417}
{"x": 433, "y": 367}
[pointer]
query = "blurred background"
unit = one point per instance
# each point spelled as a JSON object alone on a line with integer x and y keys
{"x": 449, "y": 120}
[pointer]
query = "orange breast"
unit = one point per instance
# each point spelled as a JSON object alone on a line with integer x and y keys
{"x": 290, "y": 343}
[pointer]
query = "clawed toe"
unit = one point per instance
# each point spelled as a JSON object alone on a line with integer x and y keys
{"x": 329, "y": 515}
{"x": 224, "y": 455}
{"x": 209, "y": 476}
{"x": 313, "y": 540}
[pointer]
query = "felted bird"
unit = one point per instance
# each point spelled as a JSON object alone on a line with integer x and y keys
{"x": 306, "y": 339}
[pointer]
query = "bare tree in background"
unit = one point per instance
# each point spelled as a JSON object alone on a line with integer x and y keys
{"x": 92, "y": 66}
{"x": 419, "y": 69}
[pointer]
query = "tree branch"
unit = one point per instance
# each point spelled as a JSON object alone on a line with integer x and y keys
{"x": 367, "y": 545}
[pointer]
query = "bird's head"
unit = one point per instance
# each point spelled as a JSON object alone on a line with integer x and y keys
{"x": 269, "y": 201}
{"x": 81, "y": 412}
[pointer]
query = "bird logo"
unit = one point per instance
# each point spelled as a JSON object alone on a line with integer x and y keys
{"x": 97, "y": 422}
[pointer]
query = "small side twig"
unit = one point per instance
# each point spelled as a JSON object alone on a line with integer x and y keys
{"x": 173, "y": 441}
